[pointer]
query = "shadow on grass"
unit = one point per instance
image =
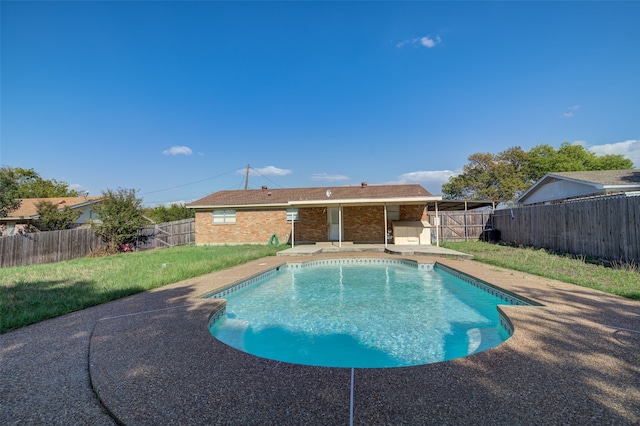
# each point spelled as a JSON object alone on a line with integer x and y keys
{"x": 28, "y": 303}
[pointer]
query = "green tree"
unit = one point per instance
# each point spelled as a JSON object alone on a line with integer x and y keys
{"x": 503, "y": 177}
{"x": 32, "y": 185}
{"x": 161, "y": 214}
{"x": 571, "y": 158}
{"x": 120, "y": 219}
{"x": 490, "y": 177}
{"x": 53, "y": 219}
{"x": 9, "y": 199}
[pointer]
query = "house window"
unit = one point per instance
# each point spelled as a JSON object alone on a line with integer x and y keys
{"x": 292, "y": 215}
{"x": 224, "y": 216}
{"x": 393, "y": 212}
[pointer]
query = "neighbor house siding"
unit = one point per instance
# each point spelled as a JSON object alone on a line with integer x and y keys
{"x": 251, "y": 227}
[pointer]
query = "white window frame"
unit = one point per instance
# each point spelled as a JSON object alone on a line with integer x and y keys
{"x": 221, "y": 217}
{"x": 292, "y": 213}
{"x": 393, "y": 212}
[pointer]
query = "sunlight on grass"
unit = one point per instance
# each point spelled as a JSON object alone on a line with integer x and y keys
{"x": 622, "y": 280}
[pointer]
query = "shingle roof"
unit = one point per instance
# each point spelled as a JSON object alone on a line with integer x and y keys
{"x": 604, "y": 177}
{"x": 28, "y": 205}
{"x": 281, "y": 196}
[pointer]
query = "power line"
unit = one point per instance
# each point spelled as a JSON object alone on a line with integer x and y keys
{"x": 264, "y": 177}
{"x": 187, "y": 184}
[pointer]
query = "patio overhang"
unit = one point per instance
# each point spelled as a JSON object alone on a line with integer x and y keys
{"x": 453, "y": 205}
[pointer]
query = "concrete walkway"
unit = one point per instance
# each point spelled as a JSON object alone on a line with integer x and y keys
{"x": 405, "y": 250}
{"x": 149, "y": 359}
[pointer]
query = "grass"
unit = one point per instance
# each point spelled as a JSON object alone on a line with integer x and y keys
{"x": 29, "y": 294}
{"x": 619, "y": 279}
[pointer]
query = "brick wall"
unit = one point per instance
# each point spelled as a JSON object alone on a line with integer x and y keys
{"x": 251, "y": 227}
{"x": 413, "y": 213}
{"x": 362, "y": 224}
{"x": 312, "y": 225}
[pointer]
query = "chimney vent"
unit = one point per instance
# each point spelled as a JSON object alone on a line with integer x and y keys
{"x": 363, "y": 184}
{"x": 264, "y": 187}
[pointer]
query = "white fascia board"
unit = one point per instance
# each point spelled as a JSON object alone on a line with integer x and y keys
{"x": 622, "y": 187}
{"x": 378, "y": 201}
{"x": 85, "y": 203}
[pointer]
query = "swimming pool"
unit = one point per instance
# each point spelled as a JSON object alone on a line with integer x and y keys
{"x": 362, "y": 313}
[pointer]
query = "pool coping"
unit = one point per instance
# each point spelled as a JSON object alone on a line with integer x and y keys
{"x": 150, "y": 359}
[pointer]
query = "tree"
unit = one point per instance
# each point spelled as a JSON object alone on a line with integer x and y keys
{"x": 503, "y": 177}
{"x": 161, "y": 214}
{"x": 490, "y": 177}
{"x": 53, "y": 219}
{"x": 9, "y": 199}
{"x": 120, "y": 220}
{"x": 32, "y": 185}
{"x": 571, "y": 158}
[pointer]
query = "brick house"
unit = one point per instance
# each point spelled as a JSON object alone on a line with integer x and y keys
{"x": 359, "y": 214}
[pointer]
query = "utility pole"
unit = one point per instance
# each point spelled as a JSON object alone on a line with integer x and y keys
{"x": 246, "y": 178}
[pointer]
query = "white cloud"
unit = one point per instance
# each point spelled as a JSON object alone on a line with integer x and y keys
{"x": 432, "y": 180}
{"x": 328, "y": 178}
{"x": 265, "y": 171}
{"x": 425, "y": 41}
{"x": 571, "y": 111}
{"x": 429, "y": 42}
{"x": 629, "y": 148}
{"x": 178, "y": 150}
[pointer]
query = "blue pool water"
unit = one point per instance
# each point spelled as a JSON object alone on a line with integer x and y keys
{"x": 378, "y": 315}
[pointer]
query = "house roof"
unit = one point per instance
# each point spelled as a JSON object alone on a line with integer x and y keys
{"x": 364, "y": 194}
{"x": 602, "y": 178}
{"x": 28, "y": 206}
{"x": 601, "y": 181}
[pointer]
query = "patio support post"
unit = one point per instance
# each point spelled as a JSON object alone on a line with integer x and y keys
{"x": 340, "y": 226}
{"x": 385, "y": 226}
{"x": 292, "y": 229}
{"x": 466, "y": 224}
{"x": 437, "y": 227}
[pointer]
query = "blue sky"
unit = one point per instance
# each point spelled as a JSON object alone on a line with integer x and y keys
{"x": 174, "y": 99}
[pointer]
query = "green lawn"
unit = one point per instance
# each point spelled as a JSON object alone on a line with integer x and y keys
{"x": 29, "y": 294}
{"x": 622, "y": 280}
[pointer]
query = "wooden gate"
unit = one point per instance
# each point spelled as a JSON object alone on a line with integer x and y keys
{"x": 460, "y": 225}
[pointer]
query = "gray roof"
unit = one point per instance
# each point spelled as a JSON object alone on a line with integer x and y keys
{"x": 603, "y": 177}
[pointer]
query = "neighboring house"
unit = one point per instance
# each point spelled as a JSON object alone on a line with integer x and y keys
{"x": 357, "y": 214}
{"x": 558, "y": 187}
{"x": 28, "y": 212}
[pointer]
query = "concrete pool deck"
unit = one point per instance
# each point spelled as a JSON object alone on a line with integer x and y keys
{"x": 149, "y": 359}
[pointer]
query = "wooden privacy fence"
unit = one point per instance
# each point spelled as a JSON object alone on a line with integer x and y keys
{"x": 56, "y": 246}
{"x": 605, "y": 227}
{"x": 169, "y": 234}
{"x": 47, "y": 247}
{"x": 460, "y": 225}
